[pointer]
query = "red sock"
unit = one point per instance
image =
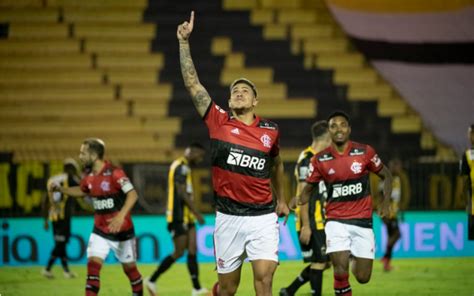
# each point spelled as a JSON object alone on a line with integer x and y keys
{"x": 135, "y": 279}
{"x": 93, "y": 278}
{"x": 341, "y": 284}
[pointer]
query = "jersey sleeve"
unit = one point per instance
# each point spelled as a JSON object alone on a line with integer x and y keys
{"x": 215, "y": 117}
{"x": 182, "y": 176}
{"x": 84, "y": 186}
{"x": 374, "y": 164}
{"x": 275, "y": 151}
{"x": 302, "y": 169}
{"x": 314, "y": 174}
{"x": 121, "y": 181}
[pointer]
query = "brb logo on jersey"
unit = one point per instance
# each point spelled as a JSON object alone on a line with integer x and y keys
{"x": 340, "y": 191}
{"x": 237, "y": 157}
{"x": 104, "y": 204}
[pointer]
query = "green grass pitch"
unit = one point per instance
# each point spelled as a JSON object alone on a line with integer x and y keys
{"x": 438, "y": 276}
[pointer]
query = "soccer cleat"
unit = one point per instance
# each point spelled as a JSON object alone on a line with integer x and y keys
{"x": 47, "y": 274}
{"x": 69, "y": 275}
{"x": 284, "y": 292}
{"x": 202, "y": 291}
{"x": 386, "y": 264}
{"x": 150, "y": 286}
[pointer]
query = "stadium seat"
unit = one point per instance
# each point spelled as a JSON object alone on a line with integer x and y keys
{"x": 56, "y": 93}
{"x": 125, "y": 31}
{"x": 102, "y": 14}
{"x": 20, "y": 77}
{"x": 38, "y": 47}
{"x": 29, "y": 15}
{"x": 257, "y": 75}
{"x": 117, "y": 46}
{"x": 24, "y": 30}
{"x": 146, "y": 76}
{"x": 262, "y": 16}
{"x": 158, "y": 92}
{"x": 124, "y": 60}
{"x": 73, "y": 61}
{"x": 101, "y": 4}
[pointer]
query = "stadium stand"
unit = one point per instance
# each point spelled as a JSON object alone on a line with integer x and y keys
{"x": 73, "y": 68}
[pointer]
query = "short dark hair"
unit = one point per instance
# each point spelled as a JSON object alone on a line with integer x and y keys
{"x": 246, "y": 81}
{"x": 196, "y": 145}
{"x": 95, "y": 145}
{"x": 319, "y": 128}
{"x": 340, "y": 113}
{"x": 472, "y": 127}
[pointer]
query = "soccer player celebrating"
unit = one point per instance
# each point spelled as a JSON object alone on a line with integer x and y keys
{"x": 245, "y": 167}
{"x": 180, "y": 214}
{"x": 345, "y": 168}
{"x": 113, "y": 197}
{"x": 310, "y": 217}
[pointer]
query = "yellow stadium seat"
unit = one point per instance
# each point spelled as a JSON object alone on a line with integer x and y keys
{"x": 275, "y": 32}
{"x": 38, "y": 47}
{"x": 303, "y": 31}
{"x": 328, "y": 60}
{"x": 234, "y": 60}
{"x": 221, "y": 45}
{"x": 73, "y": 109}
{"x": 281, "y": 3}
{"x": 101, "y": 3}
{"x": 369, "y": 91}
{"x": 257, "y": 75}
{"x": 38, "y": 30}
{"x": 29, "y": 15}
{"x": 355, "y": 75}
{"x": 239, "y": 4}
{"x": 324, "y": 44}
{"x": 117, "y": 46}
{"x": 130, "y": 60}
{"x": 291, "y": 108}
{"x": 150, "y": 108}
{"x": 64, "y": 61}
{"x": 406, "y": 124}
{"x": 51, "y": 76}
{"x": 158, "y": 92}
{"x": 126, "y": 31}
{"x": 262, "y": 16}
{"x": 20, "y": 3}
{"x": 103, "y": 14}
{"x": 296, "y": 16}
{"x": 135, "y": 76}
{"x": 55, "y": 93}
{"x": 392, "y": 107}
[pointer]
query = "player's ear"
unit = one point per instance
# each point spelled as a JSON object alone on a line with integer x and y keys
{"x": 255, "y": 102}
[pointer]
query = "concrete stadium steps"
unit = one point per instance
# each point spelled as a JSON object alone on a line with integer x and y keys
{"x": 128, "y": 31}
{"x": 29, "y": 14}
{"x": 38, "y": 47}
{"x": 39, "y": 30}
{"x": 127, "y": 60}
{"x": 115, "y": 154}
{"x": 57, "y": 93}
{"x": 74, "y": 61}
{"x": 41, "y": 77}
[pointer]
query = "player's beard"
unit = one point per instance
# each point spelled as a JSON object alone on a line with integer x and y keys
{"x": 242, "y": 110}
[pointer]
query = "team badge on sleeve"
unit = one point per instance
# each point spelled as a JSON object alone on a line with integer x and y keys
{"x": 376, "y": 160}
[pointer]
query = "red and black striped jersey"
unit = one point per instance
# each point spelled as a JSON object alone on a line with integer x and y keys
{"x": 347, "y": 180}
{"x": 108, "y": 191}
{"x": 242, "y": 160}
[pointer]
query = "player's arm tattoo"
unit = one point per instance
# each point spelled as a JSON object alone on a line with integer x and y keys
{"x": 199, "y": 94}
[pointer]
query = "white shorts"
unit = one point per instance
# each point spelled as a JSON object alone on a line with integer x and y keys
{"x": 239, "y": 237}
{"x": 360, "y": 241}
{"x": 125, "y": 251}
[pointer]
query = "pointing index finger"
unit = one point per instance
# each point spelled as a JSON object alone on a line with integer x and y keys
{"x": 191, "y": 20}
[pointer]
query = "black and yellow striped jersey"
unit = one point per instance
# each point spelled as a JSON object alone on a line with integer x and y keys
{"x": 179, "y": 175}
{"x": 467, "y": 169}
{"x": 60, "y": 205}
{"x": 316, "y": 203}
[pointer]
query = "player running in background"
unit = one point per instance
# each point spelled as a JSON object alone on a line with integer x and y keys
{"x": 310, "y": 217}
{"x": 345, "y": 168}
{"x": 113, "y": 198}
{"x": 391, "y": 221}
{"x": 467, "y": 170}
{"x": 180, "y": 215}
{"x": 245, "y": 166}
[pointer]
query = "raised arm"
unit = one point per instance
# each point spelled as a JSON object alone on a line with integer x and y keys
{"x": 199, "y": 94}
